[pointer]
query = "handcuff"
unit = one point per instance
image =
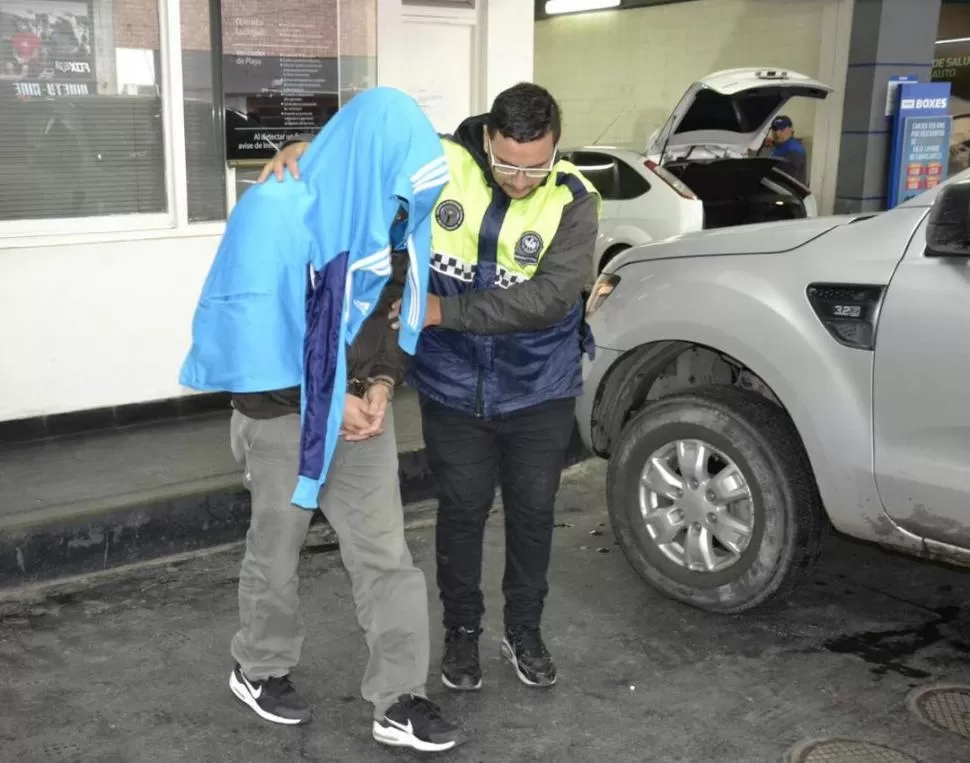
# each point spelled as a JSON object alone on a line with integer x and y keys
{"x": 359, "y": 387}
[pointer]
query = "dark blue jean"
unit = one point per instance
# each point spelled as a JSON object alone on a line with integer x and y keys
{"x": 524, "y": 452}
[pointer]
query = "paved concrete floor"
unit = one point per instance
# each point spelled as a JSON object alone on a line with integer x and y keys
{"x": 133, "y": 667}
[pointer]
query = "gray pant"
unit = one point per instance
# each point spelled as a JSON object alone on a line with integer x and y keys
{"x": 362, "y": 501}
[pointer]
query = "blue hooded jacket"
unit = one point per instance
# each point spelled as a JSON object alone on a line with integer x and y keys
{"x": 302, "y": 265}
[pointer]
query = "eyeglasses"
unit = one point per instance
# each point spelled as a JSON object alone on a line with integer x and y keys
{"x": 510, "y": 170}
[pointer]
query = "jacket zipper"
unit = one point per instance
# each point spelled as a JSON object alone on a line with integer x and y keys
{"x": 479, "y": 396}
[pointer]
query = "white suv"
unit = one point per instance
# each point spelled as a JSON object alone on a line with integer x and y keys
{"x": 699, "y": 170}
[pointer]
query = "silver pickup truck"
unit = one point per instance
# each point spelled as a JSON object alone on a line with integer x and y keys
{"x": 753, "y": 386}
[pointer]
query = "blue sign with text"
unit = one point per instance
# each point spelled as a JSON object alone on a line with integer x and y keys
{"x": 920, "y": 140}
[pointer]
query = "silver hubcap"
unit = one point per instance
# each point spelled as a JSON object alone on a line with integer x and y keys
{"x": 696, "y": 505}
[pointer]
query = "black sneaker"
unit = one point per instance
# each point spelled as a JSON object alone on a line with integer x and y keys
{"x": 274, "y": 699}
{"x": 460, "y": 667}
{"x": 523, "y": 647}
{"x": 415, "y": 722}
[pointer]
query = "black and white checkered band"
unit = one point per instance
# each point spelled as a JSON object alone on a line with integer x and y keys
{"x": 452, "y": 267}
{"x": 505, "y": 278}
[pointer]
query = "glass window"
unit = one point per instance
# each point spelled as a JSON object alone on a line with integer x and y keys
{"x": 205, "y": 164}
{"x": 280, "y": 76}
{"x": 630, "y": 183}
{"x": 287, "y": 69}
{"x": 81, "y": 98}
{"x": 598, "y": 169}
{"x": 613, "y": 178}
{"x": 80, "y": 109}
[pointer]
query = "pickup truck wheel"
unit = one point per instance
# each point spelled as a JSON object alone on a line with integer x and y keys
{"x": 713, "y": 501}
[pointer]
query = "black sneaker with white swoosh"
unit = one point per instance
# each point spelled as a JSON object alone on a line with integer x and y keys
{"x": 416, "y": 722}
{"x": 273, "y": 699}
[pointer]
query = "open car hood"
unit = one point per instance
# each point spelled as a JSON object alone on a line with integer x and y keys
{"x": 731, "y": 110}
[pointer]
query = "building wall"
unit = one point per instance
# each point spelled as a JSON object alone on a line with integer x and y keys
{"x": 136, "y": 22}
{"x": 94, "y": 319}
{"x": 96, "y": 324}
{"x": 630, "y": 68}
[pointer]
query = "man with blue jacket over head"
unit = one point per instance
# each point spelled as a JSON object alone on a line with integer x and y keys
{"x": 293, "y": 321}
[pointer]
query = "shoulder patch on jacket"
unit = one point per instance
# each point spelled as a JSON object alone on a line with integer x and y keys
{"x": 450, "y": 215}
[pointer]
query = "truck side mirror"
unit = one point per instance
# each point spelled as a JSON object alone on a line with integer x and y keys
{"x": 948, "y": 228}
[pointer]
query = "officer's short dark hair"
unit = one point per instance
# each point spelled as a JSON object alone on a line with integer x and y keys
{"x": 524, "y": 113}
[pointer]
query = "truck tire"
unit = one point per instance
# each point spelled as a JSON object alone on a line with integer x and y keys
{"x": 676, "y": 487}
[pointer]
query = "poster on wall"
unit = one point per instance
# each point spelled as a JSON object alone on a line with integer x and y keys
{"x": 47, "y": 48}
{"x": 925, "y": 147}
{"x": 920, "y": 141}
{"x": 279, "y": 74}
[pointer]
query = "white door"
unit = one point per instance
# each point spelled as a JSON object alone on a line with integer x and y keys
{"x": 435, "y": 61}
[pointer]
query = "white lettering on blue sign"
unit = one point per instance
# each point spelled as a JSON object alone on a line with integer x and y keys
{"x": 926, "y": 103}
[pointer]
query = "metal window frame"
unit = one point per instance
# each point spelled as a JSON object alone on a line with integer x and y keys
{"x": 174, "y": 222}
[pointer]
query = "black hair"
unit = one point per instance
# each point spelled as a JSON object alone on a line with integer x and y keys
{"x": 524, "y": 113}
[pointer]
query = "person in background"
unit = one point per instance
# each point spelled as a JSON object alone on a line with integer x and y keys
{"x": 789, "y": 149}
{"x": 498, "y": 366}
{"x": 293, "y": 321}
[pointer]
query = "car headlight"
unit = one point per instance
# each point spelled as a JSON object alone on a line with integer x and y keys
{"x": 603, "y": 287}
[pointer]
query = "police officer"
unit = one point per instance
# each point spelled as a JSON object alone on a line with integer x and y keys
{"x": 498, "y": 365}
